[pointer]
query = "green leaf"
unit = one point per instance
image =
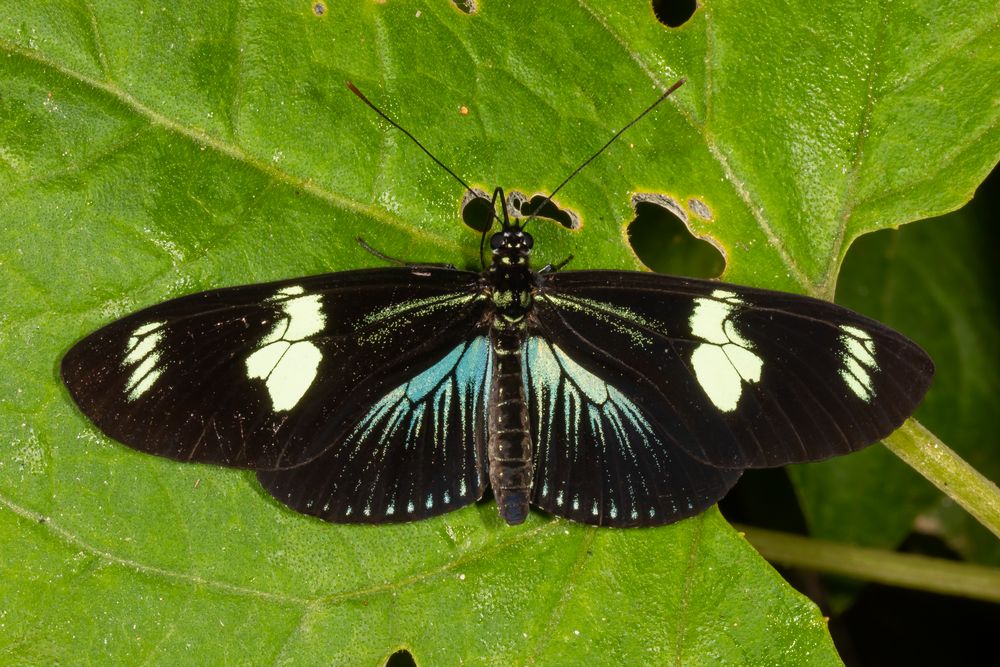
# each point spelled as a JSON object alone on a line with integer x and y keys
{"x": 935, "y": 281}
{"x": 149, "y": 151}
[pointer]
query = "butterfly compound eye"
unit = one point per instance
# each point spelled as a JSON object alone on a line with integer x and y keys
{"x": 528, "y": 241}
{"x": 496, "y": 241}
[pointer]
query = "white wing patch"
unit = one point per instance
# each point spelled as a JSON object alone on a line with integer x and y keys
{"x": 285, "y": 359}
{"x": 726, "y": 359}
{"x": 142, "y": 354}
{"x": 859, "y": 361}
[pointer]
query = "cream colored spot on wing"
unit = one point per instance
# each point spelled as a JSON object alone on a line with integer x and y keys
{"x": 859, "y": 361}
{"x": 285, "y": 360}
{"x": 143, "y": 355}
{"x": 726, "y": 360}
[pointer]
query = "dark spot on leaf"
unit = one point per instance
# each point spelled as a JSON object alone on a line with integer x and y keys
{"x": 700, "y": 209}
{"x": 520, "y": 204}
{"x": 466, "y": 6}
{"x": 661, "y": 240}
{"x": 401, "y": 658}
{"x": 477, "y": 212}
{"x": 319, "y": 8}
{"x": 674, "y": 13}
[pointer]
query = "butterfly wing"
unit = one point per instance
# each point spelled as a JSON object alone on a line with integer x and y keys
{"x": 740, "y": 377}
{"x": 417, "y": 452}
{"x": 602, "y": 459}
{"x": 273, "y": 376}
{"x": 650, "y": 394}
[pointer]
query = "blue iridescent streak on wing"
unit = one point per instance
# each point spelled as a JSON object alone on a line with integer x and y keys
{"x": 430, "y": 379}
{"x": 418, "y": 452}
{"x": 598, "y": 458}
{"x": 460, "y": 376}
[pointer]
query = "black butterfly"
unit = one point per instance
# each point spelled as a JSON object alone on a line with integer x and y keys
{"x": 607, "y": 397}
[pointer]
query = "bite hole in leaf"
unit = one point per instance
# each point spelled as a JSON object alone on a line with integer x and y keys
{"x": 477, "y": 212}
{"x": 466, "y": 6}
{"x": 401, "y": 658}
{"x": 674, "y": 13}
{"x": 522, "y": 205}
{"x": 661, "y": 240}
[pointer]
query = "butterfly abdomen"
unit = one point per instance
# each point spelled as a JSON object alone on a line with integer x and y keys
{"x": 509, "y": 447}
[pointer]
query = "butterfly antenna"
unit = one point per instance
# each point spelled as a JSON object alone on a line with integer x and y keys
{"x": 482, "y": 247}
{"x": 665, "y": 95}
{"x": 361, "y": 96}
{"x": 504, "y": 223}
{"x": 498, "y": 194}
{"x": 378, "y": 253}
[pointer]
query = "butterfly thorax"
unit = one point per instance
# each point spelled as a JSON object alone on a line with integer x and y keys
{"x": 509, "y": 274}
{"x": 509, "y": 448}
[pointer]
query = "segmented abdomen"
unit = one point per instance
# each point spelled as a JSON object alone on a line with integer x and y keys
{"x": 509, "y": 448}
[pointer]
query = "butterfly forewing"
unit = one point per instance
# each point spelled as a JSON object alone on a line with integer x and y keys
{"x": 739, "y": 377}
{"x": 269, "y": 376}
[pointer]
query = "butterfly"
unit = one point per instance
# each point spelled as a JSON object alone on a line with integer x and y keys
{"x": 611, "y": 398}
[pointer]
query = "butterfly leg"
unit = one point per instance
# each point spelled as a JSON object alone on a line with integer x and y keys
{"x": 552, "y": 268}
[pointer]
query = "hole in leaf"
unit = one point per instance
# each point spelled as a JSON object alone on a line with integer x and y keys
{"x": 466, "y": 6}
{"x": 319, "y": 8}
{"x": 661, "y": 240}
{"x": 401, "y": 658}
{"x": 477, "y": 212}
{"x": 522, "y": 205}
{"x": 674, "y": 13}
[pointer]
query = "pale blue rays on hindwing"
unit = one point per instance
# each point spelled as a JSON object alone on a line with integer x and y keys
{"x": 435, "y": 410}
{"x": 578, "y": 411}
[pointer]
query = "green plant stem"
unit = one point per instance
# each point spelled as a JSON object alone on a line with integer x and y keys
{"x": 906, "y": 570}
{"x": 946, "y": 470}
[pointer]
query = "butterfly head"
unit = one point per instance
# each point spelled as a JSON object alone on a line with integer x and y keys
{"x": 509, "y": 274}
{"x": 511, "y": 246}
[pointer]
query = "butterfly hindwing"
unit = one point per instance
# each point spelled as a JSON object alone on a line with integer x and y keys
{"x": 418, "y": 451}
{"x": 269, "y": 376}
{"x": 739, "y": 377}
{"x": 601, "y": 459}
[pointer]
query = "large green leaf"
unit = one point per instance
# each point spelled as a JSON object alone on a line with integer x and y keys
{"x": 934, "y": 279}
{"x": 152, "y": 150}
